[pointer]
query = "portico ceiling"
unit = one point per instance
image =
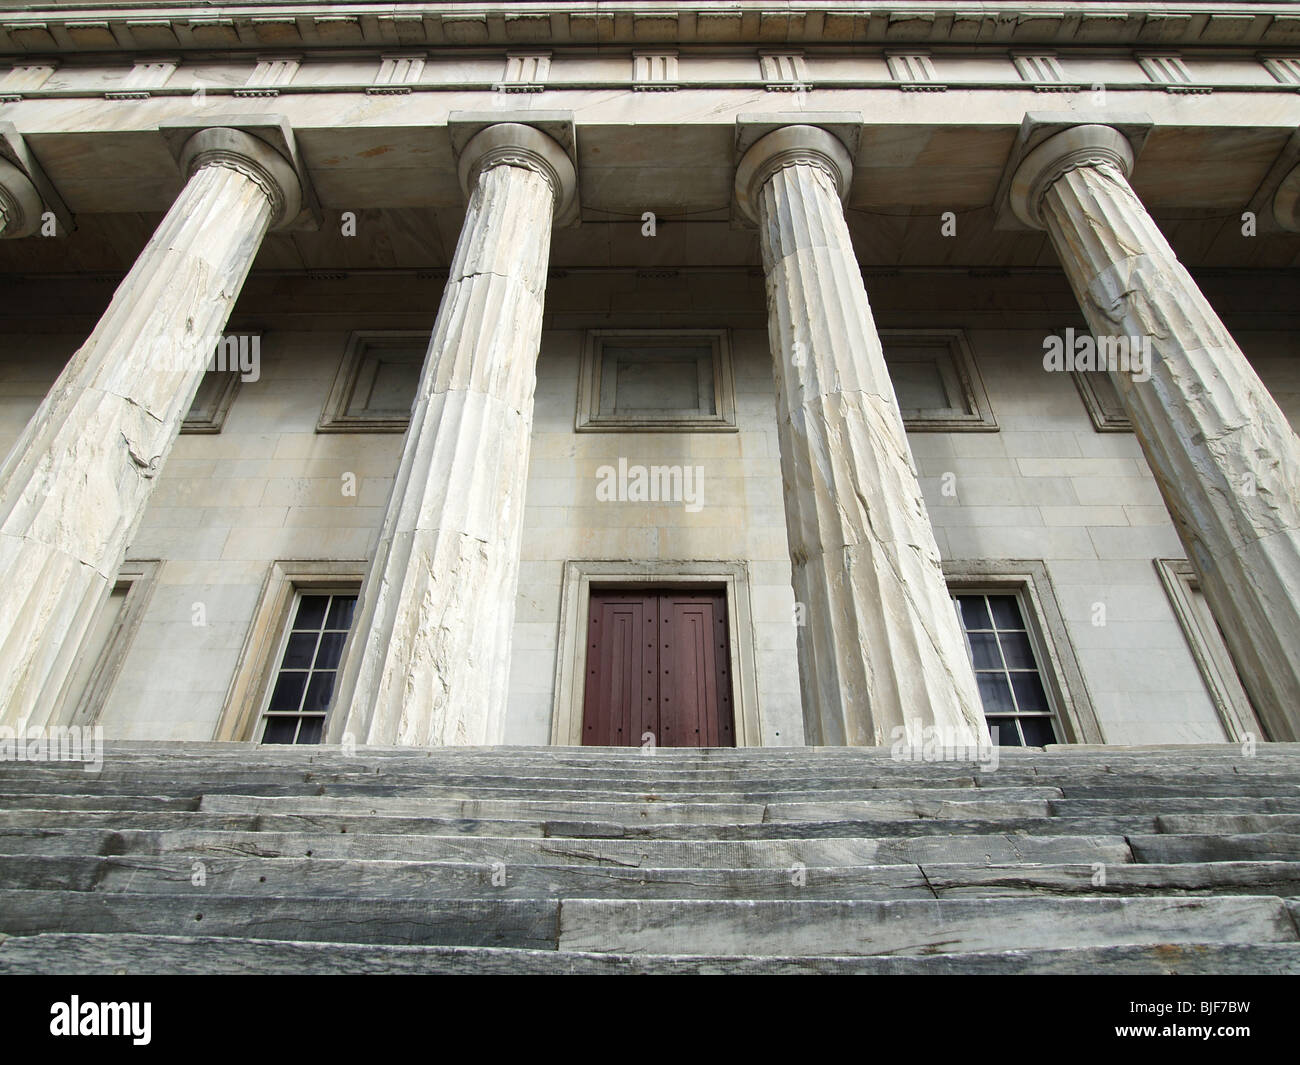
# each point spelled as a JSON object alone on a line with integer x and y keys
{"x": 400, "y": 181}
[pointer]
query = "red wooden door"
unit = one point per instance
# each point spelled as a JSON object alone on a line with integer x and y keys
{"x": 658, "y": 662}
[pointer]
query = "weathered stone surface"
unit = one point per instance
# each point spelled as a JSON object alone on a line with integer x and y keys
{"x": 72, "y": 954}
{"x": 1225, "y": 456}
{"x": 880, "y": 647}
{"x": 656, "y": 884}
{"x": 907, "y": 927}
{"x": 74, "y": 486}
{"x": 488, "y": 922}
{"x": 430, "y": 657}
{"x": 1247, "y": 847}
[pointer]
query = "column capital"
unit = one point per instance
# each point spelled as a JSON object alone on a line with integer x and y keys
{"x": 1082, "y": 145}
{"x": 790, "y": 146}
{"x": 20, "y": 203}
{"x": 255, "y": 159}
{"x": 515, "y": 144}
{"x": 1286, "y": 201}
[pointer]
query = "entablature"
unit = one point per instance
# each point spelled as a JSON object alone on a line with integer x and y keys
{"x": 45, "y": 28}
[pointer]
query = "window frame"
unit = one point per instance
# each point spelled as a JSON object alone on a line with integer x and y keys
{"x": 590, "y": 419}
{"x": 277, "y": 661}
{"x": 1102, "y": 422}
{"x": 1074, "y": 717}
{"x": 980, "y": 417}
{"x": 1213, "y": 660}
{"x": 214, "y": 419}
{"x": 334, "y": 417}
{"x": 141, "y": 577}
{"x": 263, "y": 649}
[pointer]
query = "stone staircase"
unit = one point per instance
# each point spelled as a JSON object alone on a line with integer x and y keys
{"x": 210, "y": 858}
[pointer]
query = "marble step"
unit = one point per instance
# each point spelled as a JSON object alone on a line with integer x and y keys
{"x": 989, "y": 849}
{"x": 177, "y": 874}
{"x": 72, "y": 954}
{"x": 893, "y": 804}
{"x": 1258, "y": 847}
{"x": 790, "y": 790}
{"x": 916, "y": 927}
{"x": 953, "y": 824}
{"x": 986, "y": 804}
{"x": 678, "y": 926}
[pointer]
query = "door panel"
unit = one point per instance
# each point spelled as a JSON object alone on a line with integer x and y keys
{"x": 658, "y": 662}
{"x": 621, "y": 661}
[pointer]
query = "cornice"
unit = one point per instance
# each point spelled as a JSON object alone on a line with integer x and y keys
{"x": 43, "y": 29}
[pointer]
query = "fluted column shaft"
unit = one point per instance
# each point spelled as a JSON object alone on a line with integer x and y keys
{"x": 881, "y": 646}
{"x": 429, "y": 660}
{"x": 1225, "y": 456}
{"x": 75, "y": 484}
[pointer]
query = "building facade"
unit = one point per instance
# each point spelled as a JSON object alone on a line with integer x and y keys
{"x": 689, "y": 374}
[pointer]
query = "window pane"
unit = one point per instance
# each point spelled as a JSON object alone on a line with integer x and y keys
{"x": 1003, "y": 732}
{"x": 918, "y": 384}
{"x": 311, "y": 730}
{"x": 1005, "y": 612}
{"x": 319, "y": 691}
{"x": 331, "y": 650}
{"x": 298, "y": 653}
{"x": 311, "y": 611}
{"x": 341, "y": 612}
{"x": 1038, "y": 731}
{"x": 984, "y": 650}
{"x": 280, "y": 729}
{"x": 974, "y": 613}
{"x": 1016, "y": 648}
{"x": 288, "y": 691}
{"x": 994, "y": 691}
{"x": 1029, "y": 691}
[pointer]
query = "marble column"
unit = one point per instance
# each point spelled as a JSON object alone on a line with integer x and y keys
{"x": 881, "y": 645}
{"x": 429, "y": 660}
{"x": 20, "y": 203}
{"x": 75, "y": 484}
{"x": 1225, "y": 457}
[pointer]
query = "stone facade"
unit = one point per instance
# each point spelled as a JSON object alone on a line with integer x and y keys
{"x": 811, "y": 200}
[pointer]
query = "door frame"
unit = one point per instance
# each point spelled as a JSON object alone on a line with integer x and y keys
{"x": 575, "y": 603}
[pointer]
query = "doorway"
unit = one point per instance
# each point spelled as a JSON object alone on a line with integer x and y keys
{"x": 657, "y": 663}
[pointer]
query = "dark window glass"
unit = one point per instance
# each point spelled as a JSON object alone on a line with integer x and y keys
{"x": 974, "y": 612}
{"x": 1010, "y": 683}
{"x": 311, "y": 612}
{"x": 288, "y": 691}
{"x": 280, "y": 729}
{"x": 304, "y": 687}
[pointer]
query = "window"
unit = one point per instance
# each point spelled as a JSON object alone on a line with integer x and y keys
{"x": 309, "y": 664}
{"x": 104, "y": 647}
{"x": 376, "y": 383}
{"x": 270, "y": 650}
{"x": 1102, "y": 400}
{"x": 1205, "y": 641}
{"x": 639, "y": 380}
{"x": 1015, "y": 701}
{"x": 1029, "y": 679}
{"x": 216, "y": 392}
{"x": 935, "y": 380}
